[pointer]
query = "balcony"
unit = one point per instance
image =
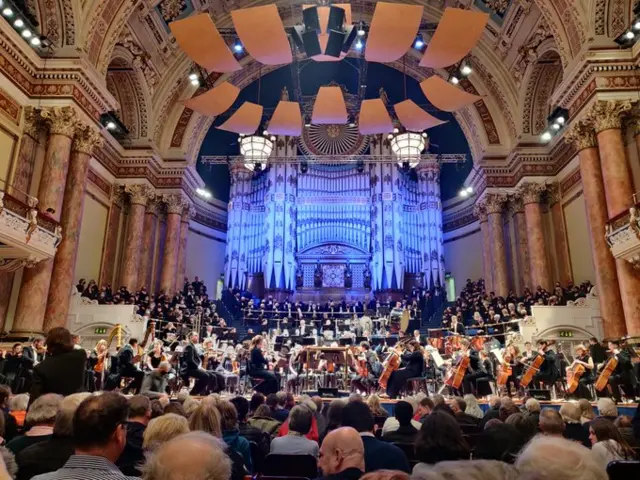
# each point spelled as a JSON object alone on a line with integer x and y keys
{"x": 27, "y": 236}
{"x": 623, "y": 236}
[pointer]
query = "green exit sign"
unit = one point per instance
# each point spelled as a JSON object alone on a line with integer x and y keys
{"x": 100, "y": 331}
{"x": 565, "y": 334}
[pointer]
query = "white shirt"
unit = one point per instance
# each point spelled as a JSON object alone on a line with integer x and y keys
{"x": 602, "y": 455}
{"x": 391, "y": 424}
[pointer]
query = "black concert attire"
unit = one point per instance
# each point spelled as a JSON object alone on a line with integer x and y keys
{"x": 622, "y": 376}
{"x": 30, "y": 358}
{"x": 475, "y": 371}
{"x": 414, "y": 362}
{"x": 126, "y": 368}
{"x": 257, "y": 369}
{"x": 598, "y": 354}
{"x": 362, "y": 383}
{"x": 63, "y": 374}
{"x": 190, "y": 367}
{"x": 458, "y": 328}
{"x": 587, "y": 378}
{"x": 548, "y": 371}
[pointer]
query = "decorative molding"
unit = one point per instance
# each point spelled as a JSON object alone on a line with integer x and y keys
{"x": 99, "y": 182}
{"x": 516, "y": 204}
{"x": 11, "y": 109}
{"x": 554, "y": 193}
{"x": 61, "y": 120}
{"x": 86, "y": 139}
{"x": 175, "y": 203}
{"x": 607, "y": 114}
{"x": 582, "y": 135}
{"x": 139, "y": 193}
{"x": 532, "y": 192}
{"x": 572, "y": 180}
{"x": 495, "y": 203}
{"x": 480, "y": 211}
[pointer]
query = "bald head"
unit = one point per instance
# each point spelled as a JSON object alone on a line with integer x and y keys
{"x": 341, "y": 449}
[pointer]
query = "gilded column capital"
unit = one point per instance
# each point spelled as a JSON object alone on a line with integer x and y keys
{"x": 633, "y": 120}
{"x": 582, "y": 134}
{"x": 532, "y": 192}
{"x": 607, "y": 114}
{"x": 86, "y": 139}
{"x": 175, "y": 203}
{"x": 188, "y": 212}
{"x": 32, "y": 121}
{"x": 61, "y": 120}
{"x": 153, "y": 206}
{"x": 515, "y": 205}
{"x": 554, "y": 195}
{"x": 480, "y": 211}
{"x": 495, "y": 203}
{"x": 117, "y": 195}
{"x": 139, "y": 193}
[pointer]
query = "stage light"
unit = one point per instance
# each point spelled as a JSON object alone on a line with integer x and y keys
{"x": 19, "y": 23}
{"x": 556, "y": 126}
{"x": 359, "y": 45}
{"x": 455, "y": 80}
{"x": 203, "y": 193}
{"x": 419, "y": 43}
{"x": 629, "y": 35}
{"x": 193, "y": 76}
{"x": 560, "y": 120}
{"x": 545, "y": 137}
{"x": 361, "y": 31}
{"x": 7, "y": 12}
{"x": 27, "y": 33}
{"x": 469, "y": 189}
{"x": 636, "y": 26}
{"x": 195, "y": 82}
{"x": 237, "y": 47}
{"x": 35, "y": 41}
{"x": 111, "y": 126}
{"x": 466, "y": 70}
{"x": 463, "y": 193}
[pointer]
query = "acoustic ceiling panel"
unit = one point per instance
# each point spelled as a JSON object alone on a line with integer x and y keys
{"x": 245, "y": 120}
{"x": 329, "y": 107}
{"x": 393, "y": 29}
{"x": 415, "y": 118}
{"x": 215, "y": 101}
{"x": 374, "y": 118}
{"x": 287, "y": 119}
{"x": 445, "y": 96}
{"x": 262, "y": 33}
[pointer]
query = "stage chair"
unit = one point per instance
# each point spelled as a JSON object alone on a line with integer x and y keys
{"x": 290, "y": 466}
{"x": 623, "y": 470}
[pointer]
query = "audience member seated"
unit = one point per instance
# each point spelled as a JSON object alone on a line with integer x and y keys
{"x": 559, "y": 459}
{"x": 10, "y": 424}
{"x": 18, "y": 408}
{"x": 523, "y": 426}
{"x": 138, "y": 418}
{"x": 469, "y": 469}
{"x": 607, "y": 445}
{"x": 573, "y": 429}
{"x": 154, "y": 384}
{"x": 498, "y": 442}
{"x": 386, "y": 475}
{"x": 276, "y": 401}
{"x": 313, "y": 432}
{"x": 333, "y": 413}
{"x": 175, "y": 407}
{"x": 263, "y": 421}
{"x": 406, "y": 433}
{"x": 391, "y": 424}
{"x": 193, "y": 456}
{"x": 63, "y": 369}
{"x": 99, "y": 435}
{"x": 378, "y": 455}
{"x": 40, "y": 419}
{"x": 607, "y": 409}
{"x": 492, "y": 412}
{"x": 586, "y": 411}
{"x": 342, "y": 455}
{"x": 247, "y": 431}
{"x": 473, "y": 408}
{"x": 508, "y": 408}
{"x": 52, "y": 454}
{"x": 162, "y": 429}
{"x": 376, "y": 408}
{"x": 624, "y": 424}
{"x": 231, "y": 433}
{"x": 295, "y": 442}
{"x": 458, "y": 405}
{"x": 550, "y": 422}
{"x": 439, "y": 439}
{"x": 424, "y": 408}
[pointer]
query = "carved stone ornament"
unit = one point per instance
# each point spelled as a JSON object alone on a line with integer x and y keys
{"x": 32, "y": 122}
{"x": 153, "y": 206}
{"x": 553, "y": 193}
{"x": 175, "y": 203}
{"x": 189, "y": 211}
{"x": 531, "y": 192}
{"x": 61, "y": 120}
{"x": 494, "y": 203}
{"x": 139, "y": 193}
{"x": 582, "y": 135}
{"x": 86, "y": 139}
{"x": 480, "y": 211}
{"x": 117, "y": 195}
{"x": 606, "y": 115}
{"x": 516, "y": 205}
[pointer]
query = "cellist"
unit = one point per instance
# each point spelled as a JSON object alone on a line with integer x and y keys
{"x": 622, "y": 374}
{"x": 475, "y": 371}
{"x": 587, "y": 378}
{"x": 548, "y": 371}
{"x": 413, "y": 360}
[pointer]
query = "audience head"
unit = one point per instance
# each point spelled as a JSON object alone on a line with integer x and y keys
{"x": 607, "y": 407}
{"x": 570, "y": 412}
{"x": 163, "y": 429}
{"x": 404, "y": 413}
{"x": 242, "y": 407}
{"x": 63, "y": 426}
{"x": 341, "y": 449}
{"x": 19, "y": 403}
{"x": 272, "y": 401}
{"x": 99, "y": 426}
{"x": 228, "y": 415}
{"x": 469, "y": 470}
{"x": 175, "y": 407}
{"x": 59, "y": 341}
{"x": 499, "y": 442}
{"x": 191, "y": 456}
{"x": 440, "y": 438}
{"x": 157, "y": 409}
{"x": 206, "y": 418}
{"x": 425, "y": 406}
{"x": 139, "y": 409}
{"x": 334, "y": 414}
{"x": 257, "y": 399}
{"x": 557, "y": 458}
{"x": 601, "y": 430}
{"x": 458, "y": 405}
{"x": 494, "y": 402}
{"x": 358, "y": 416}
{"x": 43, "y": 410}
{"x": 551, "y": 422}
{"x": 438, "y": 399}
{"x": 5, "y": 395}
{"x": 374, "y": 403}
{"x": 263, "y": 411}
{"x": 532, "y": 405}
{"x": 507, "y": 409}
{"x": 586, "y": 409}
{"x": 493, "y": 422}
{"x": 300, "y": 419}
{"x": 523, "y": 425}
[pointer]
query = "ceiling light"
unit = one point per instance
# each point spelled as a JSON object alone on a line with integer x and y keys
{"x": 419, "y": 43}
{"x": 560, "y": 120}
{"x": 19, "y": 23}
{"x": 193, "y": 76}
{"x": 26, "y": 33}
{"x": 256, "y": 150}
{"x": 454, "y": 80}
{"x": 35, "y": 41}
{"x": 463, "y": 193}
{"x": 629, "y": 35}
{"x": 195, "y": 82}
{"x": 466, "y": 70}
{"x": 469, "y": 189}
{"x": 203, "y": 193}
{"x": 359, "y": 44}
{"x": 361, "y": 31}
{"x": 545, "y": 137}
{"x": 7, "y": 12}
{"x": 636, "y": 26}
{"x": 556, "y": 126}
{"x": 111, "y": 126}
{"x": 237, "y": 47}
{"x": 407, "y": 147}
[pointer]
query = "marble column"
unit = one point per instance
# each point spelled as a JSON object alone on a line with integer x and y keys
{"x": 187, "y": 214}
{"x": 64, "y": 263}
{"x": 565, "y": 275}
{"x": 108, "y": 269}
{"x": 480, "y": 211}
{"x": 584, "y": 138}
{"x": 619, "y": 190}
{"x": 516, "y": 207}
{"x": 139, "y": 194}
{"x": 34, "y": 290}
{"x": 25, "y": 162}
{"x": 175, "y": 206}
{"x": 494, "y": 204}
{"x": 539, "y": 264}
{"x": 148, "y": 244}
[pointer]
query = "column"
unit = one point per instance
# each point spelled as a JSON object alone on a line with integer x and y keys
{"x": 480, "y": 211}
{"x": 139, "y": 194}
{"x": 32, "y": 299}
{"x": 611, "y": 311}
{"x": 187, "y": 214}
{"x": 516, "y": 207}
{"x": 148, "y": 244}
{"x": 494, "y": 205}
{"x": 618, "y": 189}
{"x": 175, "y": 205}
{"x": 540, "y": 272}
{"x": 64, "y": 264}
{"x": 107, "y": 271}
{"x": 565, "y": 276}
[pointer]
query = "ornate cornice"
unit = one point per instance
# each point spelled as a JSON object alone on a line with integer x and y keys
{"x": 139, "y": 193}
{"x": 582, "y": 135}
{"x": 607, "y": 114}
{"x": 532, "y": 192}
{"x": 61, "y": 120}
{"x": 86, "y": 139}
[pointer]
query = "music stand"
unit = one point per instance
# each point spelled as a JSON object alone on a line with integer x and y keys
{"x": 359, "y": 340}
{"x": 344, "y": 342}
{"x": 308, "y": 341}
{"x": 392, "y": 341}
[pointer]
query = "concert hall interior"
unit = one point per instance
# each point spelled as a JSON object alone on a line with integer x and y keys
{"x": 347, "y": 240}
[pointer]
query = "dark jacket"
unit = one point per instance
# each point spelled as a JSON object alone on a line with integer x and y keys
{"x": 255, "y": 435}
{"x": 348, "y": 474}
{"x": 133, "y": 454}
{"x": 44, "y": 457}
{"x": 489, "y": 415}
{"x": 62, "y": 374}
{"x": 404, "y": 434}
{"x": 577, "y": 433}
{"x": 239, "y": 444}
{"x": 379, "y": 455}
{"x": 190, "y": 359}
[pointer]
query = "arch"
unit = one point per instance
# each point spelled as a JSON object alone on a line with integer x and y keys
{"x": 545, "y": 75}
{"x": 568, "y": 24}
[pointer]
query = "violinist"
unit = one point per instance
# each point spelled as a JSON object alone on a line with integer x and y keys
{"x": 475, "y": 371}
{"x": 413, "y": 360}
{"x": 258, "y": 367}
{"x": 622, "y": 374}
{"x": 156, "y": 356}
{"x": 587, "y": 378}
{"x": 547, "y": 374}
{"x": 512, "y": 360}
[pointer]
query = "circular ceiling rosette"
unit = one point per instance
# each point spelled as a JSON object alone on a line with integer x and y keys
{"x": 333, "y": 140}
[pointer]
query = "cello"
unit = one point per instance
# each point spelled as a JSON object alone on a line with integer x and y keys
{"x": 573, "y": 377}
{"x": 392, "y": 363}
{"x": 505, "y": 371}
{"x": 532, "y": 369}
{"x": 607, "y": 371}
{"x": 454, "y": 380}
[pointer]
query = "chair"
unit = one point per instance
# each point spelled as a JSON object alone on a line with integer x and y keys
{"x": 419, "y": 384}
{"x": 290, "y": 466}
{"x": 623, "y": 470}
{"x": 257, "y": 457}
{"x": 409, "y": 449}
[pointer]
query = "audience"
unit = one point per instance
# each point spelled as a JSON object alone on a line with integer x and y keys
{"x": 231, "y": 433}
{"x": 468, "y": 470}
{"x": 333, "y": 414}
{"x": 458, "y": 405}
{"x": 376, "y": 408}
{"x": 523, "y": 426}
{"x": 532, "y": 407}
{"x": 624, "y": 424}
{"x": 440, "y": 439}
{"x": 499, "y": 442}
{"x": 263, "y": 421}
{"x": 473, "y": 408}
{"x": 607, "y": 443}
{"x": 295, "y": 442}
{"x": 247, "y": 431}
{"x": 175, "y": 407}
{"x": 313, "y": 431}
{"x": 406, "y": 432}
{"x": 40, "y": 419}
{"x": 342, "y": 455}
{"x": 10, "y": 424}
{"x": 163, "y": 429}
{"x": 424, "y": 408}
{"x": 607, "y": 409}
{"x": 573, "y": 429}
{"x": 138, "y": 418}
{"x": 586, "y": 411}
{"x": 18, "y": 408}
{"x": 550, "y": 422}
{"x": 378, "y": 454}
{"x": 492, "y": 412}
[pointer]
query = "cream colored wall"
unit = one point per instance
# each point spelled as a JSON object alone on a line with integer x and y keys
{"x": 575, "y": 219}
{"x": 463, "y": 256}
{"x": 8, "y": 144}
{"x": 632, "y": 153}
{"x": 205, "y": 255}
{"x": 92, "y": 236}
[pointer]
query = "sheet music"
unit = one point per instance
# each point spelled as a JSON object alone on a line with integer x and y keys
{"x": 498, "y": 353}
{"x": 435, "y": 354}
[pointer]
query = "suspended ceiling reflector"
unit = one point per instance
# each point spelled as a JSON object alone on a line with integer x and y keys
{"x": 286, "y": 120}
{"x": 329, "y": 107}
{"x": 323, "y": 17}
{"x": 374, "y": 117}
{"x": 414, "y": 118}
{"x": 262, "y": 33}
{"x": 457, "y": 33}
{"x": 216, "y": 101}
{"x": 245, "y": 120}
{"x": 199, "y": 38}
{"x": 393, "y": 29}
{"x": 445, "y": 96}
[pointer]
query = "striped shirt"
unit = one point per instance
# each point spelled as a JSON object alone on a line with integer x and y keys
{"x": 86, "y": 467}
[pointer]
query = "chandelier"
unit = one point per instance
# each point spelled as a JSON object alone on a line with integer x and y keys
{"x": 256, "y": 150}
{"x": 407, "y": 146}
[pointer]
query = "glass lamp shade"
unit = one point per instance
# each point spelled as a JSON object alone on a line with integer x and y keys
{"x": 408, "y": 146}
{"x": 255, "y": 149}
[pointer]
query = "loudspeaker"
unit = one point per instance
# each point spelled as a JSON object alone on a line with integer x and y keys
{"x": 311, "y": 43}
{"x": 336, "y": 19}
{"x": 334, "y": 44}
{"x": 540, "y": 394}
{"x": 296, "y": 35}
{"x": 328, "y": 393}
{"x": 310, "y": 19}
{"x": 350, "y": 36}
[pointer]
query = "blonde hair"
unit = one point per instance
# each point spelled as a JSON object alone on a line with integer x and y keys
{"x": 532, "y": 405}
{"x": 19, "y": 402}
{"x": 586, "y": 410}
{"x": 570, "y": 412}
{"x": 162, "y": 429}
{"x": 190, "y": 404}
{"x": 206, "y": 418}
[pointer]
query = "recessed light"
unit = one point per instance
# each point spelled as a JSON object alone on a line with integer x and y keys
{"x": 19, "y": 23}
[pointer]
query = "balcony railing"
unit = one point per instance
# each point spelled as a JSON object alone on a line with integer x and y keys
{"x": 623, "y": 235}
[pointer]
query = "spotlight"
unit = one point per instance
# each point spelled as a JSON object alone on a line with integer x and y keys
{"x": 560, "y": 120}
{"x": 7, "y": 12}
{"x": 359, "y": 45}
{"x": 455, "y": 80}
{"x": 237, "y": 47}
{"x": 193, "y": 76}
{"x": 469, "y": 189}
{"x": 195, "y": 82}
{"x": 361, "y": 31}
{"x": 466, "y": 70}
{"x": 203, "y": 193}
{"x": 629, "y": 35}
{"x": 111, "y": 126}
{"x": 556, "y": 126}
{"x": 636, "y": 26}
{"x": 419, "y": 43}
{"x": 26, "y": 33}
{"x": 35, "y": 41}
{"x": 304, "y": 167}
{"x": 19, "y": 23}
{"x": 463, "y": 193}
{"x": 545, "y": 137}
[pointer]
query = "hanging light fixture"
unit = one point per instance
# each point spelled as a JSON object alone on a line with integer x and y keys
{"x": 407, "y": 147}
{"x": 256, "y": 149}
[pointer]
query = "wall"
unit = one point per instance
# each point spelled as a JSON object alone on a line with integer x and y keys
{"x": 205, "y": 255}
{"x": 463, "y": 255}
{"x": 575, "y": 219}
{"x": 92, "y": 235}
{"x": 8, "y": 145}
